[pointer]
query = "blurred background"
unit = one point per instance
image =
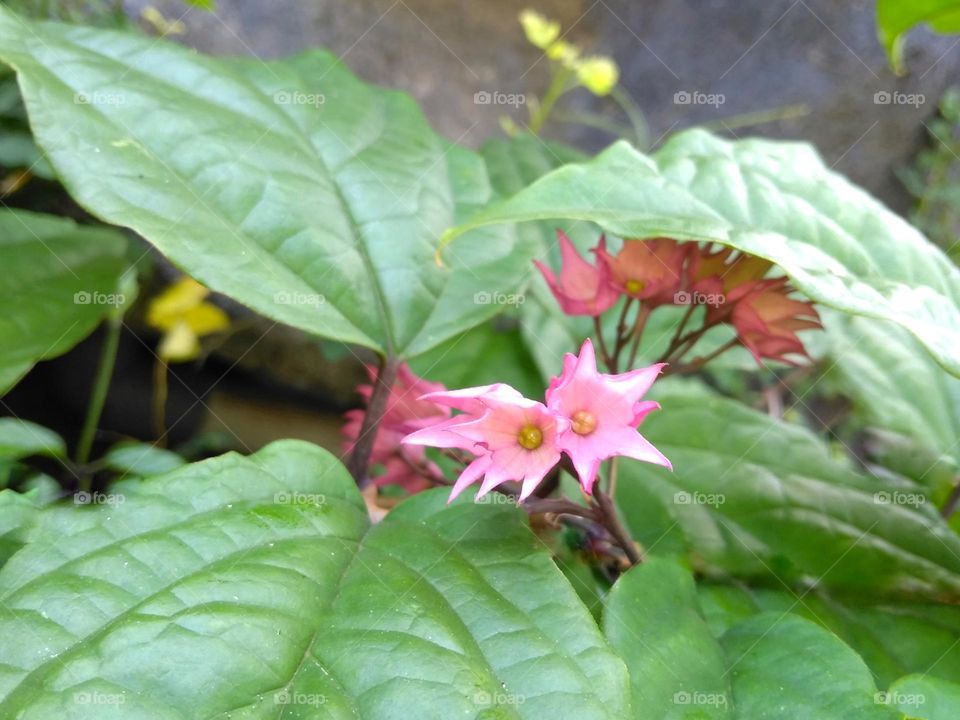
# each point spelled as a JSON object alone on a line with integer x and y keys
{"x": 810, "y": 70}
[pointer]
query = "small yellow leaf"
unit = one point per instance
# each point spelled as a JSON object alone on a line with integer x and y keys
{"x": 179, "y": 344}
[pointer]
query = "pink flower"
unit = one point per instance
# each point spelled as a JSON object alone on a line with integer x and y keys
{"x": 604, "y": 412}
{"x": 406, "y": 411}
{"x": 649, "y": 270}
{"x": 767, "y": 319}
{"x": 582, "y": 288}
{"x": 512, "y": 437}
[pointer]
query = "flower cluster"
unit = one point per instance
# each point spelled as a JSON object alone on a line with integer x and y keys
{"x": 598, "y": 73}
{"x": 587, "y": 415}
{"x": 732, "y": 286}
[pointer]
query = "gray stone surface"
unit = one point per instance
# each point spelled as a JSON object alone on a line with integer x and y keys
{"x": 760, "y": 55}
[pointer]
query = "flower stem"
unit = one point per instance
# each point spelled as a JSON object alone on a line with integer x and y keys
{"x": 359, "y": 461}
{"x": 611, "y": 521}
{"x": 558, "y": 86}
{"x": 602, "y": 344}
{"x": 699, "y": 362}
{"x": 98, "y": 396}
{"x": 637, "y": 333}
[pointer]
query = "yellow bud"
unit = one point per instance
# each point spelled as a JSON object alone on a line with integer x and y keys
{"x": 539, "y": 30}
{"x": 564, "y": 52}
{"x": 599, "y": 74}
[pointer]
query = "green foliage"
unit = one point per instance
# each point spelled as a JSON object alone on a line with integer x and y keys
{"x": 934, "y": 177}
{"x": 266, "y": 570}
{"x": 779, "y": 201}
{"x": 895, "y": 18}
{"x": 755, "y": 496}
{"x": 59, "y": 281}
{"x": 319, "y": 208}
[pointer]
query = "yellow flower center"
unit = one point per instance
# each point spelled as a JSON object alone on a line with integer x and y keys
{"x": 583, "y": 422}
{"x": 634, "y": 286}
{"x": 530, "y": 437}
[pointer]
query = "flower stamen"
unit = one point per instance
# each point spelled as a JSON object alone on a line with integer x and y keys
{"x": 530, "y": 437}
{"x": 583, "y": 422}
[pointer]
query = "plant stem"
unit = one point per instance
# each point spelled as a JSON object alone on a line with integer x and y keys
{"x": 633, "y": 113}
{"x": 98, "y": 396}
{"x": 638, "y": 328}
{"x": 602, "y": 344}
{"x": 159, "y": 401}
{"x": 359, "y": 462}
{"x": 558, "y": 506}
{"x": 699, "y": 362}
{"x": 610, "y": 520}
{"x": 558, "y": 86}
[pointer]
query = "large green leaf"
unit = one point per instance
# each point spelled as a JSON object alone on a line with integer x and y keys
{"x": 893, "y": 638}
{"x": 782, "y": 666}
{"x": 235, "y": 586}
{"x": 513, "y": 164}
{"x": 895, "y": 18}
{"x": 58, "y": 282}
{"x": 677, "y": 669}
{"x": 777, "y": 200}
{"x": 896, "y": 388}
{"x": 753, "y": 495}
{"x": 925, "y": 698}
{"x": 291, "y": 186}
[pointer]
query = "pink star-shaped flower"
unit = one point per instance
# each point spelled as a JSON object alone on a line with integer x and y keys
{"x": 512, "y": 437}
{"x": 603, "y": 412}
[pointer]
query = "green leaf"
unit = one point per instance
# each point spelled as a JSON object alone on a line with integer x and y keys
{"x": 141, "y": 459}
{"x": 776, "y": 200}
{"x": 17, "y": 513}
{"x": 291, "y": 186}
{"x": 895, "y": 387}
{"x": 895, "y": 18}
{"x": 677, "y": 669}
{"x": 893, "y": 637}
{"x": 782, "y": 666}
{"x": 59, "y": 281}
{"x": 925, "y": 698}
{"x": 20, "y": 439}
{"x": 756, "y": 496}
{"x": 490, "y": 353}
{"x": 513, "y": 164}
{"x": 254, "y": 587}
